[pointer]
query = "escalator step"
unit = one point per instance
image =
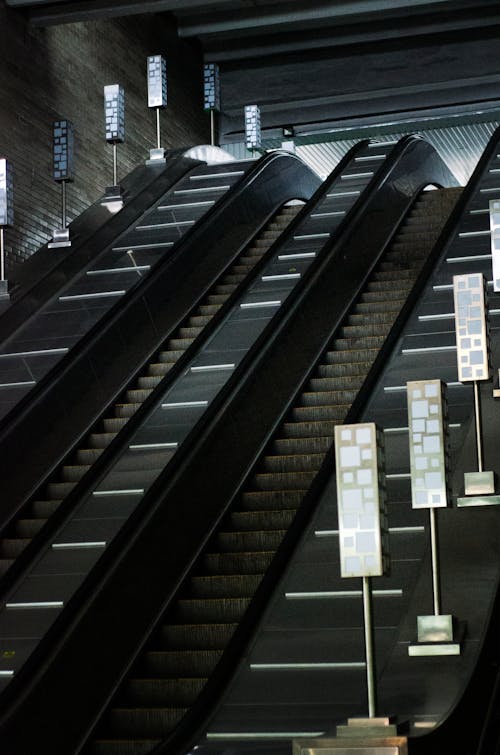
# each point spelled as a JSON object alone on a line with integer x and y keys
{"x": 362, "y": 331}
{"x": 113, "y": 424}
{"x": 28, "y": 528}
{"x": 185, "y": 663}
{"x": 316, "y": 429}
{"x": 233, "y": 542}
{"x": 164, "y": 692}
{"x": 43, "y": 509}
{"x": 328, "y": 399}
{"x": 319, "y": 413}
{"x": 150, "y": 723}
{"x": 126, "y": 410}
{"x": 217, "y": 299}
{"x": 159, "y": 369}
{"x": 88, "y": 455}
{"x": 101, "y": 440}
{"x": 381, "y": 295}
{"x": 187, "y": 332}
{"x": 149, "y": 381}
{"x": 204, "y": 611}
{"x": 261, "y": 520}
{"x": 179, "y": 344}
{"x": 283, "y": 481}
{"x": 73, "y": 473}
{"x": 138, "y": 395}
{"x": 197, "y": 636}
{"x": 234, "y": 280}
{"x": 224, "y": 586}
{"x": 292, "y": 463}
{"x": 367, "y": 342}
{"x": 331, "y": 383}
{"x": 270, "y": 500}
{"x": 171, "y": 355}
{"x": 236, "y": 563}
{"x": 224, "y": 288}
{"x": 350, "y": 370}
{"x": 349, "y": 356}
{"x": 199, "y": 320}
{"x": 59, "y": 490}
{"x": 374, "y": 307}
{"x": 394, "y": 276}
{"x": 209, "y": 309}
{"x": 289, "y": 446}
{"x": 383, "y": 317}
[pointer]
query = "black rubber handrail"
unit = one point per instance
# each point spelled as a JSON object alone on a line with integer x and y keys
{"x": 101, "y": 467}
{"x": 42, "y": 275}
{"x": 98, "y": 367}
{"x": 159, "y": 544}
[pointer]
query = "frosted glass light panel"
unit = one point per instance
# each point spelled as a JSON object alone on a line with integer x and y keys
{"x": 361, "y": 501}
{"x": 253, "y": 138}
{"x": 495, "y": 241}
{"x": 157, "y": 81}
{"x": 471, "y": 329}
{"x": 428, "y": 436}
{"x": 63, "y": 140}
{"x": 114, "y": 112}
{"x": 211, "y": 87}
{"x": 6, "y": 193}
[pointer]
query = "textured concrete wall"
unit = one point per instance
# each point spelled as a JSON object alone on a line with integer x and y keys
{"x": 59, "y": 72}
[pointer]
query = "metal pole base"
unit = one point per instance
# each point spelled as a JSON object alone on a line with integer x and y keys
{"x": 382, "y": 745}
{"x": 156, "y": 156}
{"x": 435, "y": 636}
{"x": 60, "y": 239}
{"x": 113, "y": 198}
{"x": 4, "y": 290}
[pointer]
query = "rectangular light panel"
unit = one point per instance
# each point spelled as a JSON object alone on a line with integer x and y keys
{"x": 253, "y": 138}
{"x": 211, "y": 87}
{"x": 495, "y": 241}
{"x": 6, "y": 193}
{"x": 361, "y": 500}
{"x": 63, "y": 140}
{"x": 157, "y": 81}
{"x": 469, "y": 293}
{"x": 114, "y": 112}
{"x": 428, "y": 438}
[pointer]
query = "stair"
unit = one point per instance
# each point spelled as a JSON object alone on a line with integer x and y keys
{"x": 217, "y": 593}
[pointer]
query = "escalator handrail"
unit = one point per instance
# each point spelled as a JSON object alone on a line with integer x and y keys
{"x": 124, "y": 570}
{"x": 137, "y": 317}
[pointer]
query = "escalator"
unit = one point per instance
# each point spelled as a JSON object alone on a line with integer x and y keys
{"x": 162, "y": 522}
{"x": 137, "y": 289}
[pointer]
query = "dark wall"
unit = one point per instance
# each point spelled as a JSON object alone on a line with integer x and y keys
{"x": 363, "y": 80}
{"x": 59, "y": 72}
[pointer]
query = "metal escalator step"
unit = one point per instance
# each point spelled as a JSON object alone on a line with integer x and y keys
{"x": 363, "y": 319}
{"x": 188, "y": 332}
{"x": 113, "y": 424}
{"x": 171, "y": 355}
{"x": 121, "y": 746}
{"x": 217, "y": 298}
{"x": 236, "y": 563}
{"x": 282, "y": 481}
{"x": 59, "y": 490}
{"x": 73, "y": 473}
{"x": 336, "y": 383}
{"x": 262, "y": 520}
{"x": 394, "y": 276}
{"x": 233, "y": 542}
{"x": 224, "y": 288}
{"x": 137, "y": 395}
{"x": 159, "y": 369}
{"x": 164, "y": 692}
{"x": 319, "y": 413}
{"x": 126, "y": 410}
{"x": 291, "y": 463}
{"x": 224, "y": 586}
{"x": 197, "y": 636}
{"x": 149, "y": 381}
{"x": 301, "y": 445}
{"x": 372, "y": 307}
{"x": 308, "y": 429}
{"x": 362, "y": 331}
{"x": 28, "y": 528}
{"x": 270, "y": 500}
{"x": 346, "y": 371}
{"x": 388, "y": 288}
{"x": 101, "y": 440}
{"x": 364, "y": 342}
{"x": 198, "y": 321}
{"x": 12, "y": 547}
{"x": 384, "y": 295}
{"x": 43, "y": 509}
{"x": 150, "y": 722}
{"x": 88, "y": 455}
{"x": 250, "y": 261}
{"x": 350, "y": 356}
{"x": 328, "y": 399}
{"x": 185, "y": 663}
{"x": 179, "y": 344}
{"x": 220, "y": 611}
{"x": 209, "y": 309}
